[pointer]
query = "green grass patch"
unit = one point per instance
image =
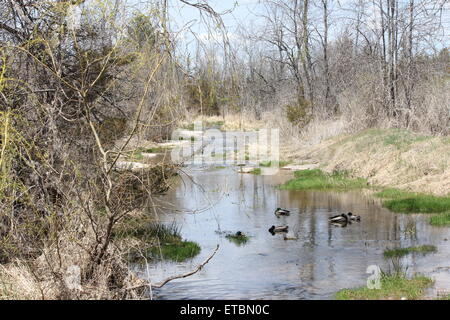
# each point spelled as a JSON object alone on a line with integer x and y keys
{"x": 274, "y": 163}
{"x": 421, "y": 203}
{"x": 402, "y": 139}
{"x": 400, "y": 252}
{"x": 392, "y": 287}
{"x": 318, "y": 180}
{"x": 413, "y": 202}
{"x": 158, "y": 241}
{"x": 148, "y": 231}
{"x": 441, "y": 220}
{"x": 372, "y": 139}
{"x": 176, "y": 251}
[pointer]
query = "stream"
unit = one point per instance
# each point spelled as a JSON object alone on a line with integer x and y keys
{"x": 323, "y": 259}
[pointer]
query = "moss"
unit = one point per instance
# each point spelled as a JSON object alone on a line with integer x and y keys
{"x": 400, "y": 252}
{"x": 392, "y": 287}
{"x": 318, "y": 180}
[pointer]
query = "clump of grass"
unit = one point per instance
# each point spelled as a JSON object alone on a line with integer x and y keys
{"x": 160, "y": 241}
{"x": 400, "y": 252}
{"x": 441, "y": 220}
{"x": 419, "y": 204}
{"x": 238, "y": 238}
{"x": 176, "y": 251}
{"x": 392, "y": 287}
{"x": 319, "y": 180}
{"x": 413, "y": 202}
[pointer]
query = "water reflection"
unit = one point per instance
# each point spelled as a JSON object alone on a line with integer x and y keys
{"x": 322, "y": 260}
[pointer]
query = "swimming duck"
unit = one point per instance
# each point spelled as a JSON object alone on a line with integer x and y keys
{"x": 339, "y": 218}
{"x": 353, "y": 217}
{"x": 274, "y": 229}
{"x": 282, "y": 212}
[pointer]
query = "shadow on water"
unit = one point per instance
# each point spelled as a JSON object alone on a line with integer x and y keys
{"x": 323, "y": 259}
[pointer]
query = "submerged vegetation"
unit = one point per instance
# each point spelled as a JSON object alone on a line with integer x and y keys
{"x": 411, "y": 202}
{"x": 238, "y": 238}
{"x": 400, "y": 252}
{"x": 318, "y": 180}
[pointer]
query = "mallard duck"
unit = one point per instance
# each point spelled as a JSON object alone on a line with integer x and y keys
{"x": 353, "y": 217}
{"x": 339, "y": 218}
{"x": 274, "y": 229}
{"x": 282, "y": 212}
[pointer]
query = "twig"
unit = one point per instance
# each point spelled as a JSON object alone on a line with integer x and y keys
{"x": 159, "y": 285}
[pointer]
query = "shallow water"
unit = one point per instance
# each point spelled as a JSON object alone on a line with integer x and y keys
{"x": 324, "y": 258}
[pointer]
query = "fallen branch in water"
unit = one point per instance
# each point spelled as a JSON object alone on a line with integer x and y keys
{"x": 159, "y": 285}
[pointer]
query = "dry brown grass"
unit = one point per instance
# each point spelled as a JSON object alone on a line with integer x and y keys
{"x": 388, "y": 157}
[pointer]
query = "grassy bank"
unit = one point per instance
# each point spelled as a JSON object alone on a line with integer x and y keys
{"x": 413, "y": 202}
{"x": 393, "y": 287}
{"x": 279, "y": 164}
{"x": 400, "y": 252}
{"x": 318, "y": 180}
{"x": 156, "y": 241}
{"x": 385, "y": 157}
{"x": 441, "y": 220}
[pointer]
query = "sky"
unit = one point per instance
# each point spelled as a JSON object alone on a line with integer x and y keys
{"x": 189, "y": 24}
{"x": 245, "y": 13}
